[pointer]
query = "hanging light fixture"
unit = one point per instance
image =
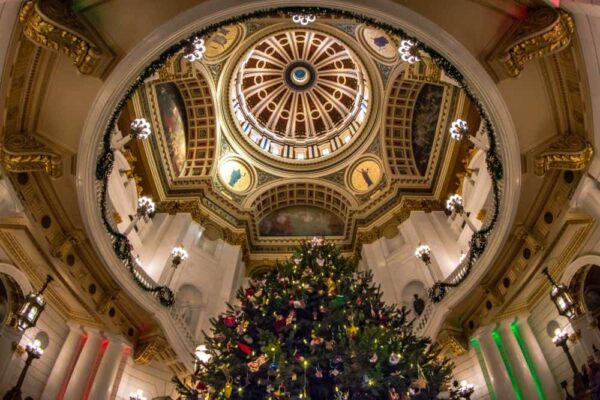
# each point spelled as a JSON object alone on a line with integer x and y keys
{"x": 137, "y": 395}
{"x": 423, "y": 253}
{"x": 304, "y": 19}
{"x": 33, "y": 307}
{"x": 195, "y": 50}
{"x": 561, "y": 297}
{"x": 408, "y": 51}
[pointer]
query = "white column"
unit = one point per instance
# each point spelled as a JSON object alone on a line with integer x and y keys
{"x": 551, "y": 389}
{"x": 65, "y": 363}
{"x": 107, "y": 370}
{"x": 83, "y": 368}
{"x": 518, "y": 362}
{"x": 495, "y": 365}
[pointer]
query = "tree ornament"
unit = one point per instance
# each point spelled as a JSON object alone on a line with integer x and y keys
{"x": 228, "y": 388}
{"x": 242, "y": 327}
{"x": 352, "y": 331}
{"x": 394, "y": 359}
{"x": 244, "y": 348}
{"x": 329, "y": 344}
{"x": 340, "y": 299}
{"x": 255, "y": 365}
{"x": 393, "y": 394}
{"x": 230, "y": 321}
{"x": 318, "y": 373}
{"x": 373, "y": 359}
{"x": 334, "y": 372}
{"x": 316, "y": 341}
{"x": 320, "y": 261}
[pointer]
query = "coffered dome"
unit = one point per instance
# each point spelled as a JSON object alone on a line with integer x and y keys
{"x": 299, "y": 94}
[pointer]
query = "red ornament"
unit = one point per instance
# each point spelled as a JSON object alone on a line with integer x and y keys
{"x": 249, "y": 292}
{"x": 230, "y": 321}
{"x": 200, "y": 386}
{"x": 244, "y": 348}
{"x": 280, "y": 323}
{"x": 359, "y": 301}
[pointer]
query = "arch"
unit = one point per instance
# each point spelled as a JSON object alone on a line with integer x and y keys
{"x": 19, "y": 277}
{"x": 212, "y": 11}
{"x": 576, "y": 265}
{"x": 188, "y": 303}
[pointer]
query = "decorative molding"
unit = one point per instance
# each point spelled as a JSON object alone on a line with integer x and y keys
{"x": 570, "y": 152}
{"x": 543, "y": 32}
{"x": 453, "y": 341}
{"x": 25, "y": 153}
{"x": 54, "y": 25}
{"x": 194, "y": 207}
{"x": 147, "y": 348}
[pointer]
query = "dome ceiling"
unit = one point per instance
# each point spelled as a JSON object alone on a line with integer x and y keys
{"x": 299, "y": 94}
{"x": 284, "y": 131}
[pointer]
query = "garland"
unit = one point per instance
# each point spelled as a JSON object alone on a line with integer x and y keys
{"x": 105, "y": 161}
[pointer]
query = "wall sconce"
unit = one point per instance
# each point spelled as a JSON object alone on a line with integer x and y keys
{"x": 560, "y": 339}
{"x": 423, "y": 253}
{"x": 145, "y": 207}
{"x": 139, "y": 129}
{"x": 459, "y": 130}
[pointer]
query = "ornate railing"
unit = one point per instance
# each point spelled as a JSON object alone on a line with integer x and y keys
{"x": 183, "y": 327}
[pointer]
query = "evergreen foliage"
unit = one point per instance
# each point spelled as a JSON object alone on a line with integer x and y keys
{"x": 313, "y": 328}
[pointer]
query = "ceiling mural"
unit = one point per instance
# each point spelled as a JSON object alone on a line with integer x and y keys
{"x": 173, "y": 118}
{"x": 284, "y": 131}
{"x": 305, "y": 221}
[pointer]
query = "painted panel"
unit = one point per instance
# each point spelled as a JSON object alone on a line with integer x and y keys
{"x": 301, "y": 221}
{"x": 424, "y": 124}
{"x": 174, "y": 123}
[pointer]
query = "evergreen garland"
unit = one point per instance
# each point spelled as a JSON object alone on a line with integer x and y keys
{"x": 493, "y": 161}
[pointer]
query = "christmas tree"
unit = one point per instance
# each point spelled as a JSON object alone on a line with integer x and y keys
{"x": 313, "y": 328}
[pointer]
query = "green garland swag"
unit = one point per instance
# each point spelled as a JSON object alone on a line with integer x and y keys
{"x": 105, "y": 162}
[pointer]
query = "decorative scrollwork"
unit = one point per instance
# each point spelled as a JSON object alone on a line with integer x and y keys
{"x": 570, "y": 152}
{"x": 543, "y": 32}
{"x": 53, "y": 25}
{"x": 25, "y": 153}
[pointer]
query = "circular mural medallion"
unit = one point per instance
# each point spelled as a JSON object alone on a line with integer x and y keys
{"x": 235, "y": 175}
{"x": 220, "y": 43}
{"x": 365, "y": 175}
{"x": 378, "y": 43}
{"x": 299, "y": 94}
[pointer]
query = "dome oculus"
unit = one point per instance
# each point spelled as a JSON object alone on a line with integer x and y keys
{"x": 300, "y": 94}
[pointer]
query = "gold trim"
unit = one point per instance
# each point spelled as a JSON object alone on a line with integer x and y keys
{"x": 570, "y": 152}
{"x": 53, "y": 25}
{"x": 25, "y": 153}
{"x": 543, "y": 32}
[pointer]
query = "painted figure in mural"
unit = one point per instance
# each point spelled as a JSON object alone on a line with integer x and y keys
{"x": 380, "y": 41}
{"x": 366, "y": 177}
{"x": 174, "y": 122}
{"x": 220, "y": 37}
{"x": 235, "y": 176}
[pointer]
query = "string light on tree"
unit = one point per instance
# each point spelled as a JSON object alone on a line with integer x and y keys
{"x": 195, "y": 50}
{"x": 423, "y": 253}
{"x": 459, "y": 129}
{"x": 304, "y": 19}
{"x": 408, "y": 51}
{"x": 145, "y": 208}
{"x": 139, "y": 129}
{"x": 298, "y": 333}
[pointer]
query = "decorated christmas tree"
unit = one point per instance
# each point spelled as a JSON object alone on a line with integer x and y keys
{"x": 314, "y": 328}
